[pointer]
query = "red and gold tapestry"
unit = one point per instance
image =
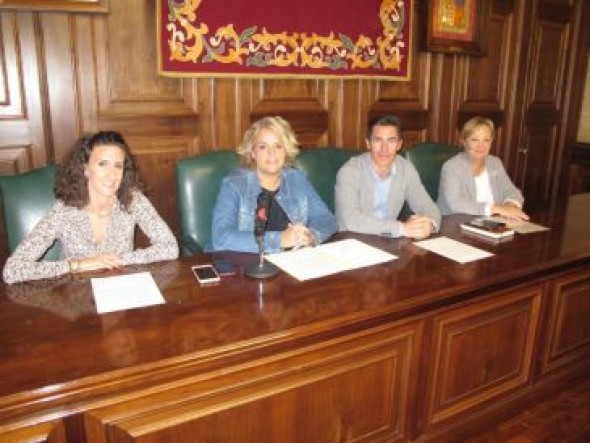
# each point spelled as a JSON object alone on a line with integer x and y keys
{"x": 306, "y": 38}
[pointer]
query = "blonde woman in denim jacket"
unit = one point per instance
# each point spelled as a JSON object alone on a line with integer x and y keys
{"x": 297, "y": 215}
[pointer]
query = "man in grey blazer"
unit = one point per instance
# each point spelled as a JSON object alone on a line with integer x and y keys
{"x": 371, "y": 188}
{"x": 475, "y": 182}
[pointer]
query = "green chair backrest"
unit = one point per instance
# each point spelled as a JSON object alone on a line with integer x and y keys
{"x": 428, "y": 159}
{"x": 198, "y": 179}
{"x": 321, "y": 166}
{"x": 26, "y": 198}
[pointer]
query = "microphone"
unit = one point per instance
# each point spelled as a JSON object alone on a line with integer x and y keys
{"x": 262, "y": 269}
{"x": 261, "y": 216}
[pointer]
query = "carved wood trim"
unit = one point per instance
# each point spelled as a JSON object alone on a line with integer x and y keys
{"x": 476, "y": 336}
{"x": 569, "y": 329}
{"x": 152, "y": 125}
{"x": 412, "y": 114}
{"x": 51, "y": 432}
{"x": 101, "y": 6}
{"x": 492, "y": 112}
{"x": 307, "y": 117}
{"x": 22, "y": 122}
{"x": 15, "y": 159}
{"x": 345, "y": 373}
{"x": 118, "y": 94}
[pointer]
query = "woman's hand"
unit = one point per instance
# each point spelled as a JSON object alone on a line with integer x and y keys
{"x": 296, "y": 236}
{"x": 103, "y": 261}
{"x": 510, "y": 211}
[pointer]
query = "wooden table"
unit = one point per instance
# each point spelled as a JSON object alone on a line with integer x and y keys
{"x": 420, "y": 347}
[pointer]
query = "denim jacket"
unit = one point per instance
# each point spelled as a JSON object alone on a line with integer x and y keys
{"x": 233, "y": 216}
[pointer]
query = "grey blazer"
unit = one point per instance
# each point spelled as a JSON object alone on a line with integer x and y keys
{"x": 457, "y": 193}
{"x": 355, "y": 197}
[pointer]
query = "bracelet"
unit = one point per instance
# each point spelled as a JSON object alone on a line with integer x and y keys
{"x": 74, "y": 265}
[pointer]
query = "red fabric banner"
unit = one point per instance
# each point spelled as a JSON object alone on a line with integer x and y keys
{"x": 306, "y": 38}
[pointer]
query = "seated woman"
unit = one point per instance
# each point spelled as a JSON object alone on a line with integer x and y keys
{"x": 475, "y": 182}
{"x": 297, "y": 215}
{"x": 93, "y": 220}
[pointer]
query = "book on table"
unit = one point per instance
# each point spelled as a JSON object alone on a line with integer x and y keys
{"x": 486, "y": 239}
{"x": 488, "y": 228}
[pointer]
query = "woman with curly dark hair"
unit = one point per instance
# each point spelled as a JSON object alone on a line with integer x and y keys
{"x": 99, "y": 202}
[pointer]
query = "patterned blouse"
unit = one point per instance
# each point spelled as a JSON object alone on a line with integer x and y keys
{"x": 70, "y": 227}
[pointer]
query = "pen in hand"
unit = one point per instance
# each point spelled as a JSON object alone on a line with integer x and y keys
{"x": 302, "y": 236}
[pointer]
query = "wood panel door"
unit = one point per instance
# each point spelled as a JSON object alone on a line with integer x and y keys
{"x": 568, "y": 328}
{"x": 355, "y": 388}
{"x": 481, "y": 353}
{"x": 550, "y": 30}
{"x": 23, "y": 126}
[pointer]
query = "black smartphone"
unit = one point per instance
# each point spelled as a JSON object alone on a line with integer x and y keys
{"x": 493, "y": 224}
{"x": 224, "y": 267}
{"x": 205, "y": 274}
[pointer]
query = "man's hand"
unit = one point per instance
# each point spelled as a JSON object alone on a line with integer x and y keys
{"x": 417, "y": 227}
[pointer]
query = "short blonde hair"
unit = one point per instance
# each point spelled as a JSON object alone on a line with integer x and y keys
{"x": 473, "y": 123}
{"x": 282, "y": 130}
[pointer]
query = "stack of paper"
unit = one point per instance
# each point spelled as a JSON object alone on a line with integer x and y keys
{"x": 488, "y": 227}
{"x": 329, "y": 258}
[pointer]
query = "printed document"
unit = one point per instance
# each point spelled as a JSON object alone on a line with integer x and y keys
{"x": 125, "y": 292}
{"x": 521, "y": 226}
{"x": 453, "y": 249}
{"x": 329, "y": 258}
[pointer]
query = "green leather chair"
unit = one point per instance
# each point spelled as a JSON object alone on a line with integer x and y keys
{"x": 428, "y": 159}
{"x": 198, "y": 179}
{"x": 26, "y": 198}
{"x": 321, "y": 166}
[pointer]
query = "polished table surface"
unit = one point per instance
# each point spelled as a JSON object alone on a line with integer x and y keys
{"x": 52, "y": 339}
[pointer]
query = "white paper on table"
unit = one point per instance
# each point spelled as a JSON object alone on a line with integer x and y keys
{"x": 453, "y": 249}
{"x": 329, "y": 258}
{"x": 529, "y": 228}
{"x": 521, "y": 226}
{"x": 128, "y": 291}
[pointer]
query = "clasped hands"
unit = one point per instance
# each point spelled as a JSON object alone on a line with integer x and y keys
{"x": 296, "y": 236}
{"x": 417, "y": 227}
{"x": 96, "y": 263}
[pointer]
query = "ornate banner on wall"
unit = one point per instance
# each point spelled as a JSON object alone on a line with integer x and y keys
{"x": 306, "y": 38}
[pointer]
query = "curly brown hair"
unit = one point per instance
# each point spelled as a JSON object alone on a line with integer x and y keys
{"x": 71, "y": 184}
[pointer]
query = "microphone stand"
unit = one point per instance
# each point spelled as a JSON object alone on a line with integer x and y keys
{"x": 262, "y": 269}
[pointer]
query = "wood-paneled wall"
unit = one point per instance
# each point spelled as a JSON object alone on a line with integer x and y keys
{"x": 63, "y": 74}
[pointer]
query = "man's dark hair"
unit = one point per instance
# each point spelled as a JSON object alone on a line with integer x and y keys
{"x": 384, "y": 120}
